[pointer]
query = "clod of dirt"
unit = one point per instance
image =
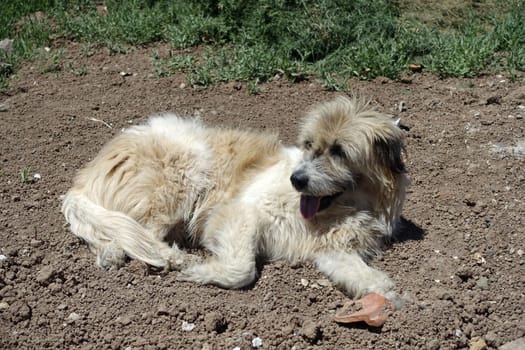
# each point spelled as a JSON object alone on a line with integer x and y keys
{"x": 494, "y": 100}
{"x": 465, "y": 274}
{"x": 45, "y": 274}
{"x": 374, "y": 310}
{"x": 492, "y": 339}
{"x": 215, "y": 322}
{"x": 433, "y": 345}
{"x": 311, "y": 331}
{"x": 162, "y": 310}
{"x": 20, "y": 311}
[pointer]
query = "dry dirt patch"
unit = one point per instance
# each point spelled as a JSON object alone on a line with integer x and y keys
{"x": 458, "y": 257}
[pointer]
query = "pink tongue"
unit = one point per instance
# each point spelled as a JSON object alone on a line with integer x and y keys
{"x": 309, "y": 206}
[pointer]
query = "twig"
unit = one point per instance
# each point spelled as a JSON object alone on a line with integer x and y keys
{"x": 100, "y": 121}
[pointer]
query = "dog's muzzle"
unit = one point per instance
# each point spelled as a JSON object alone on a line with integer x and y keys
{"x": 299, "y": 180}
{"x": 309, "y": 205}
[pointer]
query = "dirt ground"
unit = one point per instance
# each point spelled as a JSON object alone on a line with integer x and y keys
{"x": 458, "y": 257}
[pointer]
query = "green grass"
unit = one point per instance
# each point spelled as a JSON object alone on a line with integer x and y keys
{"x": 259, "y": 40}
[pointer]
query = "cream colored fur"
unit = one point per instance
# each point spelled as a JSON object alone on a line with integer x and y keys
{"x": 232, "y": 192}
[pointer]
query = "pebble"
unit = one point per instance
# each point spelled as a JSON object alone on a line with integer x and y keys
{"x": 35, "y": 243}
{"x": 4, "y": 305}
{"x": 304, "y": 282}
{"x": 492, "y": 339}
{"x": 72, "y": 317}
{"x": 6, "y": 45}
{"x": 477, "y": 343}
{"x": 45, "y": 274}
{"x": 323, "y": 282}
{"x": 257, "y": 342}
{"x": 483, "y": 283}
{"x": 187, "y": 326}
{"x": 162, "y": 309}
{"x": 123, "y": 320}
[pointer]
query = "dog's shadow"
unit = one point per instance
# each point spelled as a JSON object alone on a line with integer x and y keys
{"x": 407, "y": 230}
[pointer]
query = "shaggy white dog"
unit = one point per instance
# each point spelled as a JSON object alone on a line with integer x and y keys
{"x": 242, "y": 194}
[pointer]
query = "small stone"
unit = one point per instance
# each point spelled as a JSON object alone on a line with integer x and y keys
{"x": 433, "y": 345}
{"x": 45, "y": 274}
{"x": 483, "y": 283}
{"x": 123, "y": 320}
{"x": 310, "y": 331}
{"x": 4, "y": 306}
{"x": 3, "y": 107}
{"x": 187, "y": 326}
{"x": 35, "y": 243}
{"x": 304, "y": 282}
{"x": 492, "y": 339}
{"x": 323, "y": 282}
{"x": 73, "y": 317}
{"x": 6, "y": 45}
{"x": 257, "y": 342}
{"x": 162, "y": 310}
{"x": 477, "y": 343}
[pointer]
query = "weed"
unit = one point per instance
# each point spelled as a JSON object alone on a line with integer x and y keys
{"x": 25, "y": 176}
{"x": 256, "y": 39}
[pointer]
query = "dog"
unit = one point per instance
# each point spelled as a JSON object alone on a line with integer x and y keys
{"x": 333, "y": 200}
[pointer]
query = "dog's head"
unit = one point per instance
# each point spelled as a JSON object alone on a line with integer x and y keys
{"x": 346, "y": 144}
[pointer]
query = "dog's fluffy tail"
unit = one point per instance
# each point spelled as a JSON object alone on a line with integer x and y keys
{"x": 110, "y": 233}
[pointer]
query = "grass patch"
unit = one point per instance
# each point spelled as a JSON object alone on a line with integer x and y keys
{"x": 257, "y": 40}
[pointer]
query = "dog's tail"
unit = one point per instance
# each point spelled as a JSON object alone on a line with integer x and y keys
{"x": 108, "y": 232}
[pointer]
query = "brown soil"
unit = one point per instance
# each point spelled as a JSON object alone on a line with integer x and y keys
{"x": 458, "y": 257}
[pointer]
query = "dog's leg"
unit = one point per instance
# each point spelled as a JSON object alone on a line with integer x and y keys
{"x": 230, "y": 234}
{"x": 349, "y": 271}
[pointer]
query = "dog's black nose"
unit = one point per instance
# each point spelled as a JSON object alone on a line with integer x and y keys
{"x": 299, "y": 180}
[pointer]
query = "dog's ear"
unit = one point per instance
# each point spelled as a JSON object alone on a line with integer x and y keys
{"x": 389, "y": 153}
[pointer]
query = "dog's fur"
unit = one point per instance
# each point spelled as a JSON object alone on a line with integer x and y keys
{"x": 242, "y": 194}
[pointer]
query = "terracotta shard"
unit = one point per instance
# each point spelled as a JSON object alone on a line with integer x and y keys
{"x": 374, "y": 311}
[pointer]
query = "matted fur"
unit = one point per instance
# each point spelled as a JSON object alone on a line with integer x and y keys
{"x": 242, "y": 194}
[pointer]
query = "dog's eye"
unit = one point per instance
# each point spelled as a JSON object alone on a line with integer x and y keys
{"x": 307, "y": 144}
{"x": 337, "y": 151}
